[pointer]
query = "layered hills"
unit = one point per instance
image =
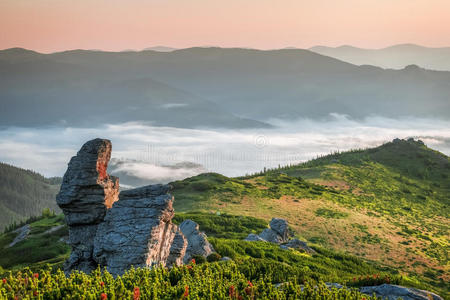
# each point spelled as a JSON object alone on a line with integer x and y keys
{"x": 207, "y": 87}
{"x": 394, "y": 57}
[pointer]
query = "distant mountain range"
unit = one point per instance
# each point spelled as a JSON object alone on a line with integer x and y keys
{"x": 394, "y": 57}
{"x": 207, "y": 87}
{"x": 161, "y": 49}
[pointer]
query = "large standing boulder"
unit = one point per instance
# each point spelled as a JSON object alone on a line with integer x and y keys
{"x": 394, "y": 292}
{"x": 87, "y": 191}
{"x": 137, "y": 231}
{"x": 111, "y": 230}
{"x": 197, "y": 241}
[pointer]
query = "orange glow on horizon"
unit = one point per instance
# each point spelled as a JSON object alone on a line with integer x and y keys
{"x": 56, "y": 25}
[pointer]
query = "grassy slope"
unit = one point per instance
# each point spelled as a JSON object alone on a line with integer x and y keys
{"x": 388, "y": 204}
{"x": 24, "y": 193}
{"x": 39, "y": 248}
{"x": 254, "y": 259}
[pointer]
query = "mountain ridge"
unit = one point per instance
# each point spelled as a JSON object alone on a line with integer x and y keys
{"x": 234, "y": 83}
{"x": 392, "y": 57}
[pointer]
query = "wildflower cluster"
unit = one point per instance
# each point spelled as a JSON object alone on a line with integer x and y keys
{"x": 220, "y": 280}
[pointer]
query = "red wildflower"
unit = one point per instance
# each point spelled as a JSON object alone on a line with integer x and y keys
{"x": 240, "y": 297}
{"x": 35, "y": 293}
{"x": 136, "y": 294}
{"x": 231, "y": 291}
{"x": 193, "y": 261}
{"x": 354, "y": 278}
{"x": 4, "y": 280}
{"x": 186, "y": 292}
{"x": 189, "y": 267}
{"x": 103, "y": 296}
{"x": 250, "y": 283}
{"x": 36, "y": 275}
{"x": 102, "y": 284}
{"x": 248, "y": 291}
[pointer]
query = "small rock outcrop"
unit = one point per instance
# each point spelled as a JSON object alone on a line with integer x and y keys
{"x": 87, "y": 191}
{"x": 117, "y": 231}
{"x": 254, "y": 238}
{"x": 277, "y": 233}
{"x": 394, "y": 292}
{"x": 197, "y": 243}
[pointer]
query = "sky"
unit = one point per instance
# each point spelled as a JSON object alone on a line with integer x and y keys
{"x": 114, "y": 25}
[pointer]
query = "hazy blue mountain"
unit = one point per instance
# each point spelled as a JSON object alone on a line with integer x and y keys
{"x": 207, "y": 87}
{"x": 394, "y": 57}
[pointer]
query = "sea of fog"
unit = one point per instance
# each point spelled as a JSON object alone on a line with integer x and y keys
{"x": 146, "y": 154}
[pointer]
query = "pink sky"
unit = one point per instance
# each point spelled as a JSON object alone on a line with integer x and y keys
{"x": 55, "y": 25}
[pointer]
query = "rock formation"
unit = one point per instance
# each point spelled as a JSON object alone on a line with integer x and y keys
{"x": 137, "y": 231}
{"x": 279, "y": 233}
{"x": 87, "y": 191}
{"x": 197, "y": 241}
{"x": 117, "y": 231}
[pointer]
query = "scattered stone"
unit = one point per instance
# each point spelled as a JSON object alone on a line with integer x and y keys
{"x": 278, "y": 233}
{"x": 254, "y": 238}
{"x": 271, "y": 236}
{"x": 394, "y": 292}
{"x": 280, "y": 226}
{"x": 225, "y": 258}
{"x": 22, "y": 233}
{"x": 197, "y": 243}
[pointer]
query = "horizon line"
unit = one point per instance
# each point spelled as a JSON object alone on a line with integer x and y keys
{"x": 153, "y": 48}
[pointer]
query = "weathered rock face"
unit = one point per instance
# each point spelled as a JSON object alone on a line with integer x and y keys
{"x": 87, "y": 191}
{"x": 197, "y": 241}
{"x": 277, "y": 233}
{"x": 137, "y": 231}
{"x": 280, "y": 226}
{"x": 117, "y": 234}
{"x": 394, "y": 292}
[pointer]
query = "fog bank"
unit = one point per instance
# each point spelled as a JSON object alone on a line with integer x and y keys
{"x": 145, "y": 154}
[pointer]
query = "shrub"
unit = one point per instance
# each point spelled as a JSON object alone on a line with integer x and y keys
{"x": 213, "y": 257}
{"x": 199, "y": 259}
